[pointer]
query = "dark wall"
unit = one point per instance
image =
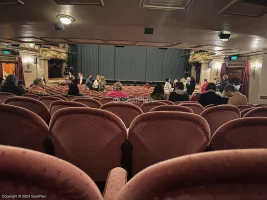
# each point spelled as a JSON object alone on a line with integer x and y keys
{"x": 131, "y": 62}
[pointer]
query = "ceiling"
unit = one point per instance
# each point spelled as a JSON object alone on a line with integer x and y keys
{"x": 122, "y": 22}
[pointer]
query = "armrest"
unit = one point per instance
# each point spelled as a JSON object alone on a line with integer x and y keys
{"x": 116, "y": 180}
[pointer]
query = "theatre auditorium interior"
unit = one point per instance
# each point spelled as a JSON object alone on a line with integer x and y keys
{"x": 133, "y": 99}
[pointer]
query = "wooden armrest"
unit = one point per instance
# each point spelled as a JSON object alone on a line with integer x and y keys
{"x": 116, "y": 180}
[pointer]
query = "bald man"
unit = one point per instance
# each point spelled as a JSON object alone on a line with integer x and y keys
{"x": 224, "y": 83}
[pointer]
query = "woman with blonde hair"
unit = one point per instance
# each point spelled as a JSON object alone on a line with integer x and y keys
{"x": 96, "y": 83}
{"x": 80, "y": 78}
{"x": 102, "y": 84}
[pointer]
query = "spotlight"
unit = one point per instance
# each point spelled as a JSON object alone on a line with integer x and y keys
{"x": 65, "y": 19}
{"x": 225, "y": 35}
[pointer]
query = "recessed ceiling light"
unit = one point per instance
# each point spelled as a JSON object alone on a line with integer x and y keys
{"x": 65, "y": 19}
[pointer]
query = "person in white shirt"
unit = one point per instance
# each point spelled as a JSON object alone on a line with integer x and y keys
{"x": 167, "y": 88}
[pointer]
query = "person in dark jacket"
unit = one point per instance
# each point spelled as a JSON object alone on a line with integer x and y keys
{"x": 73, "y": 88}
{"x": 11, "y": 86}
{"x": 224, "y": 83}
{"x": 2, "y": 82}
{"x": 89, "y": 83}
{"x": 190, "y": 85}
{"x": 210, "y": 97}
{"x": 158, "y": 93}
{"x": 179, "y": 94}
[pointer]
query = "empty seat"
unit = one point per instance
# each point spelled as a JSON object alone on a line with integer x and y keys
{"x": 209, "y": 106}
{"x": 31, "y": 104}
{"x": 127, "y": 112}
{"x": 172, "y": 108}
{"x": 57, "y": 105}
{"x": 3, "y": 95}
{"x": 93, "y": 144}
{"x": 1, "y": 101}
{"x": 236, "y": 174}
{"x": 243, "y": 107}
{"x": 91, "y": 103}
{"x": 218, "y": 115}
{"x": 105, "y": 100}
{"x": 61, "y": 97}
{"x": 22, "y": 128}
{"x": 31, "y": 96}
{"x": 36, "y": 175}
{"x": 167, "y": 102}
{"x": 243, "y": 112}
{"x": 196, "y": 107}
{"x": 244, "y": 133}
{"x": 146, "y": 107}
{"x": 260, "y": 105}
{"x": 158, "y": 136}
{"x": 257, "y": 112}
{"x": 47, "y": 100}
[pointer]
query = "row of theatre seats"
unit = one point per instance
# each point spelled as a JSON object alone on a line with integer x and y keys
{"x": 97, "y": 141}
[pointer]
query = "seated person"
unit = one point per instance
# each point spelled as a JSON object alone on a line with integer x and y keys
{"x": 204, "y": 86}
{"x": 89, "y": 83}
{"x": 38, "y": 87}
{"x": 73, "y": 88}
{"x": 158, "y": 93}
{"x": 210, "y": 97}
{"x": 11, "y": 86}
{"x": 117, "y": 92}
{"x": 236, "y": 98}
{"x": 147, "y": 86}
{"x": 179, "y": 94}
{"x": 102, "y": 84}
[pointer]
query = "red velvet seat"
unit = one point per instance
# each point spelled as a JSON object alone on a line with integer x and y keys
{"x": 166, "y": 102}
{"x": 125, "y": 111}
{"x": 61, "y": 97}
{"x": 218, "y": 115}
{"x": 22, "y": 128}
{"x": 47, "y": 100}
{"x": 158, "y": 136}
{"x": 244, "y": 133}
{"x": 172, "y": 108}
{"x": 243, "y": 112}
{"x": 91, "y": 103}
{"x": 146, "y": 107}
{"x": 31, "y": 104}
{"x": 39, "y": 176}
{"x": 233, "y": 175}
{"x": 57, "y": 105}
{"x": 31, "y": 96}
{"x": 93, "y": 144}
{"x": 243, "y": 107}
{"x": 105, "y": 100}
{"x": 209, "y": 106}
{"x": 196, "y": 107}
{"x": 3, "y": 95}
{"x": 257, "y": 112}
{"x": 260, "y": 105}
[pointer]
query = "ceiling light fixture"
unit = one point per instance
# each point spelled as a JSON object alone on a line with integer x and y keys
{"x": 65, "y": 19}
{"x": 225, "y": 35}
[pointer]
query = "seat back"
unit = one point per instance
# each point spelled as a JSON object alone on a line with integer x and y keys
{"x": 57, "y": 105}
{"x": 209, "y": 106}
{"x": 237, "y": 174}
{"x": 61, "y": 97}
{"x": 243, "y": 112}
{"x": 105, "y": 100}
{"x": 243, "y": 107}
{"x": 31, "y": 104}
{"x": 127, "y": 112}
{"x": 22, "y": 128}
{"x": 257, "y": 112}
{"x": 39, "y": 176}
{"x": 3, "y": 95}
{"x": 218, "y": 115}
{"x": 97, "y": 138}
{"x": 244, "y": 133}
{"x": 172, "y": 108}
{"x": 31, "y": 96}
{"x": 146, "y": 107}
{"x": 260, "y": 105}
{"x": 91, "y": 103}
{"x": 196, "y": 107}
{"x": 158, "y": 136}
{"x": 166, "y": 102}
{"x": 47, "y": 100}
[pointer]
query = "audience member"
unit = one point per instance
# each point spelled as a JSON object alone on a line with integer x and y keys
{"x": 190, "y": 85}
{"x": 43, "y": 78}
{"x": 11, "y": 85}
{"x": 70, "y": 77}
{"x": 117, "y": 92}
{"x": 236, "y": 98}
{"x": 210, "y": 97}
{"x": 89, "y": 83}
{"x": 237, "y": 85}
{"x": 158, "y": 93}
{"x": 174, "y": 82}
{"x": 167, "y": 88}
{"x": 179, "y": 94}
{"x": 147, "y": 86}
{"x": 102, "y": 84}
{"x": 96, "y": 83}
{"x": 80, "y": 78}
{"x": 203, "y": 87}
{"x": 2, "y": 82}
{"x": 73, "y": 88}
{"x": 38, "y": 87}
{"x": 224, "y": 83}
